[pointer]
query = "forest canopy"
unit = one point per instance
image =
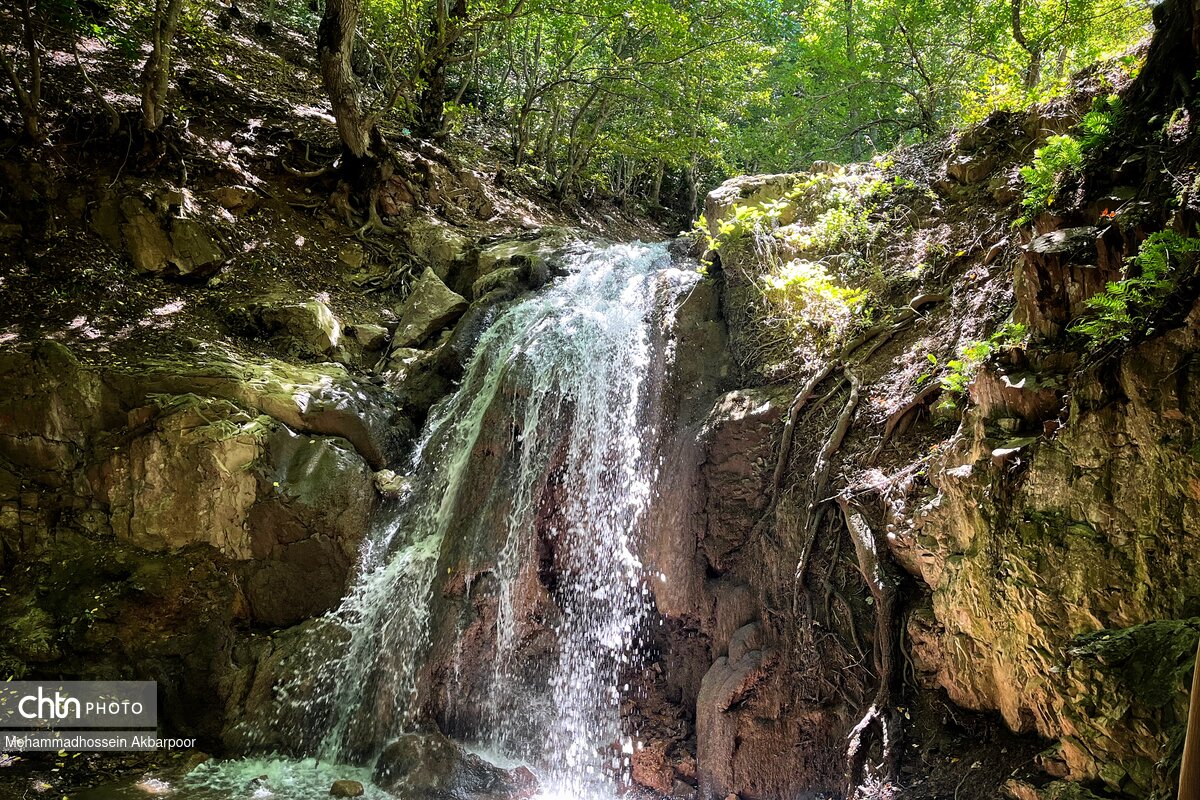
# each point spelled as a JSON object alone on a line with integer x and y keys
{"x": 635, "y": 99}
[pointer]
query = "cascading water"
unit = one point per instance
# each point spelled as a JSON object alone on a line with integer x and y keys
{"x": 570, "y": 377}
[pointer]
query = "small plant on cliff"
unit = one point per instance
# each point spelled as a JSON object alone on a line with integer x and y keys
{"x": 1062, "y": 156}
{"x": 1097, "y": 125}
{"x": 810, "y": 303}
{"x": 1129, "y": 307}
{"x": 961, "y": 371}
{"x": 1059, "y": 157}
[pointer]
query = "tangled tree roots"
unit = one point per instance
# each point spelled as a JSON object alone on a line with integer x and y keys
{"x": 881, "y": 715}
{"x": 880, "y": 721}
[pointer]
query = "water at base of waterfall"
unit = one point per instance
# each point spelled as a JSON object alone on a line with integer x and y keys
{"x": 575, "y": 371}
{"x": 269, "y": 779}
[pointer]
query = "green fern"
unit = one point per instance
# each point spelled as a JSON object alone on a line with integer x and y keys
{"x": 1127, "y": 308}
{"x": 1059, "y": 157}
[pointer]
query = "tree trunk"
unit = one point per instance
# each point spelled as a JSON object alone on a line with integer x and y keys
{"x": 29, "y": 99}
{"x": 443, "y": 34}
{"x": 691, "y": 179}
{"x": 656, "y": 185}
{"x": 335, "y": 45}
{"x": 1189, "y": 771}
{"x": 156, "y": 74}
{"x": 431, "y": 106}
{"x": 1033, "y": 70}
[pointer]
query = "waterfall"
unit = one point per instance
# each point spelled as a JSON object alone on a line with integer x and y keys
{"x": 540, "y": 467}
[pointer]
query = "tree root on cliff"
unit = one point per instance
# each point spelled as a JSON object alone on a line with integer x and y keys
{"x": 897, "y": 418}
{"x": 820, "y": 484}
{"x": 877, "y": 336}
{"x": 374, "y": 223}
{"x": 880, "y": 716}
{"x": 308, "y": 174}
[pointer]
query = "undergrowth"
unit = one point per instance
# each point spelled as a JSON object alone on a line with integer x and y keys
{"x": 809, "y": 242}
{"x": 1063, "y": 155}
{"x": 959, "y": 372}
{"x": 1129, "y": 307}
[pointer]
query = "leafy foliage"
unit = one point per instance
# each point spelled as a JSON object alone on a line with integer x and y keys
{"x": 1129, "y": 307}
{"x": 1052, "y": 162}
{"x": 808, "y": 296}
{"x": 961, "y": 371}
{"x": 649, "y": 102}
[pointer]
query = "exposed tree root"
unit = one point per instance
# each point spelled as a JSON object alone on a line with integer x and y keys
{"x": 820, "y": 483}
{"x": 898, "y": 418}
{"x": 315, "y": 173}
{"x": 872, "y": 335}
{"x": 374, "y": 223}
{"x": 881, "y": 715}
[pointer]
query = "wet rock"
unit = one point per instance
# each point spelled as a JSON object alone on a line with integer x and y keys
{"x": 650, "y": 767}
{"x": 418, "y": 378}
{"x": 689, "y": 244}
{"x": 507, "y": 281}
{"x": 391, "y": 485}
{"x": 315, "y": 501}
{"x": 741, "y": 442}
{"x": 726, "y": 684}
{"x": 683, "y": 791}
{"x": 346, "y": 788}
{"x": 431, "y": 767}
{"x": 429, "y": 308}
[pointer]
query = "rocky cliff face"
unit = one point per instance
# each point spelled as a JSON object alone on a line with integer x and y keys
{"x": 152, "y": 513}
{"x": 1037, "y": 532}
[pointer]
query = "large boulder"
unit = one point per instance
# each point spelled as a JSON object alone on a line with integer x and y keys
{"x": 745, "y": 190}
{"x": 158, "y": 242}
{"x": 429, "y": 308}
{"x": 429, "y": 766}
{"x": 436, "y": 244}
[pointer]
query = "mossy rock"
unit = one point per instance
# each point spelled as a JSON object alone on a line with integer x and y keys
{"x": 1153, "y": 660}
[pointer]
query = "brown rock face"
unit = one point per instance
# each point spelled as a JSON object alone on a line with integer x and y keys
{"x": 182, "y": 508}
{"x": 1061, "y": 270}
{"x": 1067, "y": 598}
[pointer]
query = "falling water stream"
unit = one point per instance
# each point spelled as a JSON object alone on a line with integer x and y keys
{"x": 548, "y": 445}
